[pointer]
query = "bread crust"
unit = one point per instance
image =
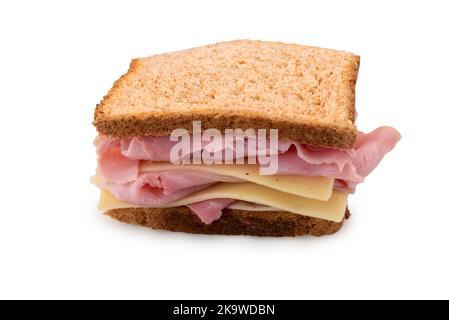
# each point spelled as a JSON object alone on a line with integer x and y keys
{"x": 233, "y": 222}
{"x": 324, "y": 117}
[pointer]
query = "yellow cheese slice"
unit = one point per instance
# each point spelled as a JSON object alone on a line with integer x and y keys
{"x": 332, "y": 210}
{"x": 319, "y": 188}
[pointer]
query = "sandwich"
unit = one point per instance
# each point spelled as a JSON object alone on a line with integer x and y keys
{"x": 236, "y": 138}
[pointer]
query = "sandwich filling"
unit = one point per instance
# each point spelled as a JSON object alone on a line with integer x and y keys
{"x": 137, "y": 172}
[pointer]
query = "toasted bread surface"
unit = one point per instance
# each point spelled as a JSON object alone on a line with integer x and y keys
{"x": 233, "y": 222}
{"x": 307, "y": 93}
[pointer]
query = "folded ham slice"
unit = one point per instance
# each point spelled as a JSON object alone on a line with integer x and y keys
{"x": 118, "y": 164}
{"x": 210, "y": 210}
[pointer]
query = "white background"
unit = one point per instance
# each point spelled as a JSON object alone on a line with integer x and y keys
{"x": 58, "y": 58}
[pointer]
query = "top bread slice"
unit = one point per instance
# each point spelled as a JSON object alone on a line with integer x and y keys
{"x": 307, "y": 93}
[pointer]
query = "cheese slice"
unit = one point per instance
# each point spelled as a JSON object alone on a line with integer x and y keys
{"x": 333, "y": 210}
{"x": 319, "y": 188}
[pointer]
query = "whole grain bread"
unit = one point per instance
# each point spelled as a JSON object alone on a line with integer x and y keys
{"x": 307, "y": 93}
{"x": 233, "y": 222}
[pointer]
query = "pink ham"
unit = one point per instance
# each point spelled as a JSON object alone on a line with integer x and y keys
{"x": 210, "y": 210}
{"x": 372, "y": 147}
{"x": 116, "y": 167}
{"x": 349, "y": 166}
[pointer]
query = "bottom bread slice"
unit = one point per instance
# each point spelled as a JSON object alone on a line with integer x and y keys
{"x": 233, "y": 222}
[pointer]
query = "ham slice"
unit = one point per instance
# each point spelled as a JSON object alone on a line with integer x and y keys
{"x": 116, "y": 167}
{"x": 118, "y": 158}
{"x": 118, "y": 163}
{"x": 210, "y": 210}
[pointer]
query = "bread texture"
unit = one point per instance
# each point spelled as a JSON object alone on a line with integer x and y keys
{"x": 307, "y": 93}
{"x": 233, "y": 222}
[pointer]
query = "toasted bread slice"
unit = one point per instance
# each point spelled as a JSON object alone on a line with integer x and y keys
{"x": 305, "y": 92}
{"x": 233, "y": 222}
